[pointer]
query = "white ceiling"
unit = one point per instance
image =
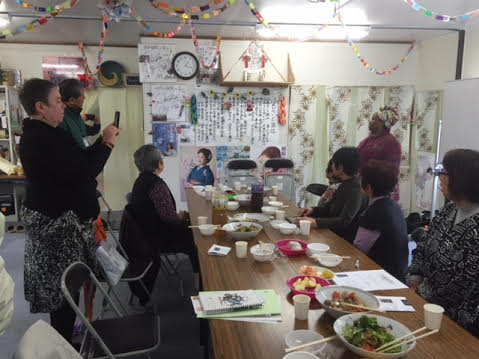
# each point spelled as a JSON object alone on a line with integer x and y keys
{"x": 390, "y": 20}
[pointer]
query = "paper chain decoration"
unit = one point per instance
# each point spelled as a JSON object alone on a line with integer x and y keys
{"x": 185, "y": 13}
{"x": 197, "y": 47}
{"x": 415, "y": 6}
{"x": 148, "y": 28}
{"x": 52, "y": 12}
{"x": 104, "y": 32}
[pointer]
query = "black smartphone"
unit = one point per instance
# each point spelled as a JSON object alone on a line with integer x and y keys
{"x": 116, "y": 122}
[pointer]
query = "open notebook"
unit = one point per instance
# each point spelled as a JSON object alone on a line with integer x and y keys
{"x": 228, "y": 301}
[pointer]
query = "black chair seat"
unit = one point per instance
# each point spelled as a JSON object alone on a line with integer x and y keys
{"x": 316, "y": 188}
{"x": 117, "y": 334}
{"x": 241, "y": 165}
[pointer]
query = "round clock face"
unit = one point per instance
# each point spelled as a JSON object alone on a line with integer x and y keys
{"x": 185, "y": 65}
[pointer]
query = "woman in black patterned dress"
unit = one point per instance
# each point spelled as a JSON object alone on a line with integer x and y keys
{"x": 445, "y": 265}
{"x": 60, "y": 201}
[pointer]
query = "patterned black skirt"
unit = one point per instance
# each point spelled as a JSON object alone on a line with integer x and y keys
{"x": 51, "y": 246}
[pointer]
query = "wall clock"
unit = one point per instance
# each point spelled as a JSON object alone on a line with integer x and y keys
{"x": 185, "y": 65}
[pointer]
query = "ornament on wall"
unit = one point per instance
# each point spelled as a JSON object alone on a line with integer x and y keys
{"x": 115, "y": 9}
{"x": 254, "y": 59}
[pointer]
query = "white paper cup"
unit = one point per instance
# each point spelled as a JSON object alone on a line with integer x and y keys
{"x": 275, "y": 190}
{"x": 272, "y": 198}
{"x": 237, "y": 186}
{"x": 209, "y": 193}
{"x": 280, "y": 214}
{"x": 304, "y": 227}
{"x": 433, "y": 316}
{"x": 241, "y": 249}
{"x": 202, "y": 220}
{"x": 301, "y": 306}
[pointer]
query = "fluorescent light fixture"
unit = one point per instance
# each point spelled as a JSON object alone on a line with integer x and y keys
{"x": 61, "y": 66}
{"x": 4, "y": 20}
{"x": 304, "y": 13}
{"x": 312, "y": 32}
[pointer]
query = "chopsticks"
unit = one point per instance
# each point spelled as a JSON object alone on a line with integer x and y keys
{"x": 400, "y": 341}
{"x": 329, "y": 256}
{"x": 324, "y": 340}
{"x": 408, "y": 341}
{"x": 363, "y": 307}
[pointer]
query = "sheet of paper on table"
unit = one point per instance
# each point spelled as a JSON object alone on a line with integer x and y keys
{"x": 395, "y": 304}
{"x": 369, "y": 280}
{"x": 217, "y": 250}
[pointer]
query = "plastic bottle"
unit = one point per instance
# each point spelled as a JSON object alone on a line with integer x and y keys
{"x": 220, "y": 201}
{"x": 257, "y": 192}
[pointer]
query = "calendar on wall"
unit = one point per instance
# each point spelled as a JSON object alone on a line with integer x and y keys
{"x": 237, "y": 120}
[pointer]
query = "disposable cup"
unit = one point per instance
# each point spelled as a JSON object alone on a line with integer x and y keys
{"x": 433, "y": 316}
{"x": 209, "y": 193}
{"x": 202, "y": 220}
{"x": 304, "y": 227}
{"x": 275, "y": 190}
{"x": 237, "y": 186}
{"x": 301, "y": 306}
{"x": 241, "y": 249}
{"x": 280, "y": 214}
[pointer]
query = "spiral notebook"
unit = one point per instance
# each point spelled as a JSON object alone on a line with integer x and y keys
{"x": 229, "y": 301}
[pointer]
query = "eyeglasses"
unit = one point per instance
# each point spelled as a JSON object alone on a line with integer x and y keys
{"x": 437, "y": 171}
{"x": 442, "y": 173}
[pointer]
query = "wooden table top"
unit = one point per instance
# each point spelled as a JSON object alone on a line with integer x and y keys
{"x": 243, "y": 340}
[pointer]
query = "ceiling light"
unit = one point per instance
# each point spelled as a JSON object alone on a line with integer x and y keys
{"x": 4, "y": 20}
{"x": 313, "y": 32}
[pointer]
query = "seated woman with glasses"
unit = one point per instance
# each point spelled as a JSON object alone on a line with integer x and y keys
{"x": 445, "y": 265}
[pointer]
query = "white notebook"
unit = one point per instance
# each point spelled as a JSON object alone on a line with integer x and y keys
{"x": 217, "y": 250}
{"x": 228, "y": 301}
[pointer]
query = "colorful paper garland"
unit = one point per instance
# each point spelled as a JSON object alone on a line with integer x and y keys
{"x": 194, "y": 9}
{"x": 42, "y": 21}
{"x": 148, "y": 28}
{"x": 445, "y": 18}
{"x": 197, "y": 47}
{"x": 185, "y": 13}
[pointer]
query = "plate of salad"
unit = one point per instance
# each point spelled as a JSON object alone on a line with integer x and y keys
{"x": 363, "y": 334}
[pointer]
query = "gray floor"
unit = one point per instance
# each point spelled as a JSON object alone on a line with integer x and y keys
{"x": 180, "y": 330}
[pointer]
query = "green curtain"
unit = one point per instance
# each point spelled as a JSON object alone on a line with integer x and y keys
{"x": 120, "y": 171}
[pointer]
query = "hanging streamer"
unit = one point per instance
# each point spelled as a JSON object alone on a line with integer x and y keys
{"x": 194, "y": 9}
{"x": 148, "y": 28}
{"x": 42, "y": 21}
{"x": 446, "y": 18}
{"x": 27, "y": 5}
{"x": 184, "y": 13}
{"x": 197, "y": 47}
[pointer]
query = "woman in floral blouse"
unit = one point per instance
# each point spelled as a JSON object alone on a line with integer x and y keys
{"x": 445, "y": 265}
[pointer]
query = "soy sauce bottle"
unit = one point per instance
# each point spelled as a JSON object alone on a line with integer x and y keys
{"x": 257, "y": 192}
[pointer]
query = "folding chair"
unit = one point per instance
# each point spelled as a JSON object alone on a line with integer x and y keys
{"x": 316, "y": 188}
{"x": 119, "y": 337}
{"x": 280, "y": 172}
{"x": 244, "y": 171}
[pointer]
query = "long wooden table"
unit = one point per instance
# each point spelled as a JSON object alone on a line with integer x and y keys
{"x": 242, "y": 340}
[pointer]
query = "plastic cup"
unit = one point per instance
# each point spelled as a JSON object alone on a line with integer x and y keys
{"x": 272, "y": 198}
{"x": 301, "y": 306}
{"x": 433, "y": 316}
{"x": 208, "y": 193}
{"x": 241, "y": 249}
{"x": 202, "y": 220}
{"x": 275, "y": 190}
{"x": 304, "y": 227}
{"x": 280, "y": 215}
{"x": 237, "y": 186}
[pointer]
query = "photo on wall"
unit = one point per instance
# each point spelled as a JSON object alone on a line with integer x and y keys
{"x": 261, "y": 154}
{"x": 164, "y": 138}
{"x": 226, "y": 153}
{"x": 197, "y": 167}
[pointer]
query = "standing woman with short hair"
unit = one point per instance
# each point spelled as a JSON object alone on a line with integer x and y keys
{"x": 60, "y": 200}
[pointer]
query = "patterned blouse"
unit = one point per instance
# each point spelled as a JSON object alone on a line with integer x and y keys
{"x": 447, "y": 262}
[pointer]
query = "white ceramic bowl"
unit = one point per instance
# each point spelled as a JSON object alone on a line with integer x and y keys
{"x": 287, "y": 228}
{"x": 276, "y": 222}
{"x": 232, "y": 205}
{"x": 317, "y": 248}
{"x": 300, "y": 355}
{"x": 264, "y": 252}
{"x": 325, "y": 293}
{"x": 396, "y": 329}
{"x": 243, "y": 199}
{"x": 329, "y": 259}
{"x": 270, "y": 210}
{"x": 241, "y": 236}
{"x": 302, "y": 336}
{"x": 275, "y": 203}
{"x": 198, "y": 188}
{"x": 207, "y": 229}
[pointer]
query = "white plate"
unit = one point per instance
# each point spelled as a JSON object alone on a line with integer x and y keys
{"x": 321, "y": 270}
{"x": 275, "y": 203}
{"x": 270, "y": 210}
{"x": 328, "y": 259}
{"x": 300, "y": 355}
{"x": 298, "y": 337}
{"x": 276, "y": 222}
{"x": 253, "y": 217}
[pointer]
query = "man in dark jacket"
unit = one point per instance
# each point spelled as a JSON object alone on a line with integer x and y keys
{"x": 73, "y": 97}
{"x": 341, "y": 213}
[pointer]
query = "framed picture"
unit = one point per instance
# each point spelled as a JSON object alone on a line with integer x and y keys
{"x": 131, "y": 80}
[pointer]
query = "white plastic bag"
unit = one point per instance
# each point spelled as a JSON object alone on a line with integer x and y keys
{"x": 112, "y": 262}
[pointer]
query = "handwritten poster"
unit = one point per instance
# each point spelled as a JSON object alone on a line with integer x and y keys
{"x": 168, "y": 103}
{"x": 164, "y": 138}
{"x": 154, "y": 61}
{"x": 233, "y": 121}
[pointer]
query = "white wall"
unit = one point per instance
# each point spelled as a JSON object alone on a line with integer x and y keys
{"x": 471, "y": 55}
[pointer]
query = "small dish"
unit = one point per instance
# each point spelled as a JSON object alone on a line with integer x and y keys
{"x": 270, "y": 210}
{"x": 250, "y": 217}
{"x": 317, "y": 248}
{"x": 320, "y": 272}
{"x": 302, "y": 336}
{"x": 329, "y": 260}
{"x": 300, "y": 355}
{"x": 276, "y": 222}
{"x": 307, "y": 291}
{"x": 285, "y": 247}
{"x": 275, "y": 203}
{"x": 263, "y": 252}
{"x": 287, "y": 228}
{"x": 232, "y": 206}
{"x": 207, "y": 229}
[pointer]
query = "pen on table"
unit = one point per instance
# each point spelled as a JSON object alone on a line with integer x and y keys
{"x": 357, "y": 263}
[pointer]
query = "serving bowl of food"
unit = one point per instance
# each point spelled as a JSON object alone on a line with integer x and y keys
{"x": 243, "y": 199}
{"x": 363, "y": 334}
{"x": 263, "y": 252}
{"x": 338, "y": 300}
{"x": 292, "y": 247}
{"x": 306, "y": 284}
{"x": 242, "y": 230}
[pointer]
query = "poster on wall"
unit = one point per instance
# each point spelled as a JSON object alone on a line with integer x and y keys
{"x": 236, "y": 119}
{"x": 424, "y": 180}
{"x": 58, "y": 68}
{"x": 168, "y": 103}
{"x": 186, "y": 135}
{"x": 260, "y": 154}
{"x": 154, "y": 62}
{"x": 226, "y": 153}
{"x": 197, "y": 167}
{"x": 164, "y": 138}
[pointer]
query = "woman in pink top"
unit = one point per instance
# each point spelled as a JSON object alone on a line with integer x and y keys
{"x": 381, "y": 144}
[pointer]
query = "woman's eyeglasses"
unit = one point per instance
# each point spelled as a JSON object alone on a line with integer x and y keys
{"x": 437, "y": 171}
